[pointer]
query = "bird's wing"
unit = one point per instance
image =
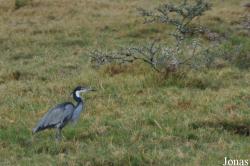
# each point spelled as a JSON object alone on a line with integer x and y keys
{"x": 55, "y": 116}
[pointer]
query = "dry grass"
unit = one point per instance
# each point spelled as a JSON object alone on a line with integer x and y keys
{"x": 136, "y": 117}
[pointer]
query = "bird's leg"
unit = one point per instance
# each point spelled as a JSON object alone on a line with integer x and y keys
{"x": 58, "y": 134}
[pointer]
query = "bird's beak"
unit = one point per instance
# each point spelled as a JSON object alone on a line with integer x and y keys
{"x": 92, "y": 89}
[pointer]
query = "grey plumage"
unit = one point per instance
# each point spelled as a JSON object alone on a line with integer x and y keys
{"x": 56, "y": 117}
{"x": 62, "y": 114}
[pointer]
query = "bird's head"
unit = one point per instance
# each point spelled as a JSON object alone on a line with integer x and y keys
{"x": 81, "y": 89}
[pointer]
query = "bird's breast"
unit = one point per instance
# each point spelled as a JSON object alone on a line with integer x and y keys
{"x": 77, "y": 111}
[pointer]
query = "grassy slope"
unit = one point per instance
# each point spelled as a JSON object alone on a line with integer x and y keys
{"x": 133, "y": 118}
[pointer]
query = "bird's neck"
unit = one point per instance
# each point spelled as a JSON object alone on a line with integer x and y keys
{"x": 78, "y": 109}
{"x": 78, "y": 99}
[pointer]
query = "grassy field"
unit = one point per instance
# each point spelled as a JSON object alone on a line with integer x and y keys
{"x": 135, "y": 117}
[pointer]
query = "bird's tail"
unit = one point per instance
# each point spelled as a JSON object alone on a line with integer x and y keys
{"x": 34, "y": 130}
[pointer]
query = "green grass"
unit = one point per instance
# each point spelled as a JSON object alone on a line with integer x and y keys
{"x": 136, "y": 117}
{"x": 21, "y": 3}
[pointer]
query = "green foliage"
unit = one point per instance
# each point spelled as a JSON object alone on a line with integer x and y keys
{"x": 234, "y": 52}
{"x": 240, "y": 49}
{"x": 21, "y": 3}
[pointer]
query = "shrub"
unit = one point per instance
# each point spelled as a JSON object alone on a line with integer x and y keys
{"x": 234, "y": 52}
{"x": 180, "y": 16}
{"x": 162, "y": 58}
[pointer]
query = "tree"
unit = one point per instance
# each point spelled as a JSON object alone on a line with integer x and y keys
{"x": 162, "y": 58}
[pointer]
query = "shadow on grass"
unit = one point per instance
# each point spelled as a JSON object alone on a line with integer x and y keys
{"x": 241, "y": 128}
